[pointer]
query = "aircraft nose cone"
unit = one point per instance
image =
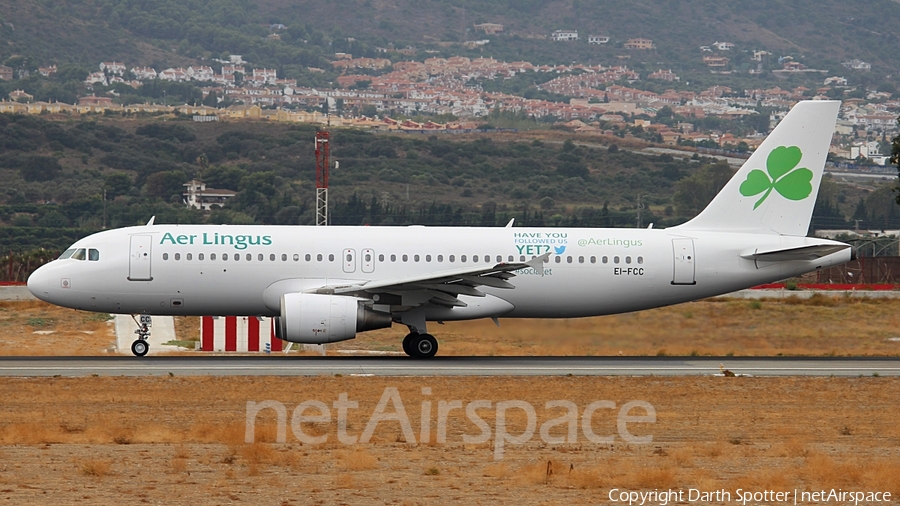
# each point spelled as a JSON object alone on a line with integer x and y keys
{"x": 38, "y": 283}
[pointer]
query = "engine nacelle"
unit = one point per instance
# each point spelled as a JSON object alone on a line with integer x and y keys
{"x": 313, "y": 318}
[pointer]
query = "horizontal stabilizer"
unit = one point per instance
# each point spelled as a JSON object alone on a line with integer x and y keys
{"x": 813, "y": 252}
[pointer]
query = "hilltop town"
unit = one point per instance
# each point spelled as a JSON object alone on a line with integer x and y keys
{"x": 378, "y": 93}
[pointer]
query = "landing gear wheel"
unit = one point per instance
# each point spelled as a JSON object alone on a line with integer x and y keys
{"x": 407, "y": 344}
{"x": 140, "y": 347}
{"x": 423, "y": 346}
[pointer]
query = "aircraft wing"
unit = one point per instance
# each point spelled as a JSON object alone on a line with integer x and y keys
{"x": 799, "y": 253}
{"x": 440, "y": 287}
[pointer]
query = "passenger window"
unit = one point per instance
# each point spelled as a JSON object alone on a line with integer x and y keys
{"x": 474, "y": 258}
{"x": 627, "y": 260}
{"x": 640, "y": 260}
{"x": 405, "y": 258}
{"x": 177, "y": 256}
{"x": 349, "y": 257}
{"x": 427, "y": 258}
{"x": 66, "y": 254}
{"x": 558, "y": 259}
{"x": 188, "y": 256}
{"x": 415, "y": 258}
{"x": 452, "y": 258}
{"x": 260, "y": 257}
{"x": 319, "y": 257}
{"x": 393, "y": 258}
{"x": 296, "y": 257}
{"x": 368, "y": 257}
{"x": 79, "y": 254}
{"x": 606, "y": 260}
{"x": 165, "y": 256}
{"x": 224, "y": 256}
{"x": 499, "y": 259}
{"x": 615, "y": 260}
{"x": 200, "y": 256}
{"x": 522, "y": 258}
{"x": 511, "y": 259}
{"x": 381, "y": 258}
{"x": 593, "y": 260}
{"x": 212, "y": 256}
{"x": 284, "y": 257}
{"x": 331, "y": 257}
{"x": 308, "y": 257}
{"x": 569, "y": 259}
{"x": 93, "y": 255}
{"x": 272, "y": 257}
{"x": 462, "y": 259}
{"x": 581, "y": 260}
{"x": 440, "y": 258}
{"x": 237, "y": 256}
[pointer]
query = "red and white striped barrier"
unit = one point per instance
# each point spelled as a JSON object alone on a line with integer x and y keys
{"x": 238, "y": 333}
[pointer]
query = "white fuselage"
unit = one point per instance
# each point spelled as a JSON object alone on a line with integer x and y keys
{"x": 244, "y": 270}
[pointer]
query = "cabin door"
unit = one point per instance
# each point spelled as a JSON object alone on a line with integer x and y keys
{"x": 684, "y": 262}
{"x": 139, "y": 258}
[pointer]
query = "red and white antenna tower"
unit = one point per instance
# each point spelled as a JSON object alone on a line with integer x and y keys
{"x": 323, "y": 164}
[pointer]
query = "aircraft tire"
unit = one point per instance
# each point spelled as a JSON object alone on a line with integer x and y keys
{"x": 140, "y": 347}
{"x": 423, "y": 346}
{"x": 407, "y": 344}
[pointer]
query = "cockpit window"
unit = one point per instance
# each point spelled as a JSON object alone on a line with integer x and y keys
{"x": 66, "y": 254}
{"x": 93, "y": 255}
{"x": 79, "y": 254}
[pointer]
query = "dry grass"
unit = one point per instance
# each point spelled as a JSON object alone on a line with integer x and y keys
{"x": 95, "y": 468}
{"x": 178, "y": 465}
{"x": 710, "y": 327}
{"x": 357, "y": 459}
{"x": 716, "y": 327}
{"x": 711, "y": 433}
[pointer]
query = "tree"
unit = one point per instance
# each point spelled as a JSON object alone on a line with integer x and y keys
{"x": 40, "y": 168}
{"x": 895, "y": 157}
{"x": 165, "y": 184}
{"x": 117, "y": 184}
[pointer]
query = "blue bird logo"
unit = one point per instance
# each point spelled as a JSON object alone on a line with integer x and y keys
{"x": 559, "y": 249}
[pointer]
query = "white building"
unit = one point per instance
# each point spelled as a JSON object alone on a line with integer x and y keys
{"x": 723, "y": 46}
{"x": 172, "y": 74}
{"x": 597, "y": 39}
{"x": 144, "y": 73}
{"x": 564, "y": 35}
{"x": 200, "y": 73}
{"x": 855, "y": 64}
{"x": 198, "y": 196}
{"x": 112, "y": 67}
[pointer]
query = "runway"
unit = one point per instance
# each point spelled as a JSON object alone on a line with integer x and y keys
{"x": 280, "y": 365}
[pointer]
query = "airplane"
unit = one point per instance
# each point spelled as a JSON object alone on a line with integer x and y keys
{"x": 326, "y": 284}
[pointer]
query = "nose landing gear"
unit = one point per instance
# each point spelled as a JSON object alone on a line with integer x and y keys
{"x": 140, "y": 347}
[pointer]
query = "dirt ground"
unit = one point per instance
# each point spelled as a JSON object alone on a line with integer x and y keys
{"x": 183, "y": 440}
{"x": 821, "y": 326}
{"x": 177, "y": 440}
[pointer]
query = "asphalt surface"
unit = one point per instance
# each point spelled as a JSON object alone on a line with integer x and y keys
{"x": 281, "y": 365}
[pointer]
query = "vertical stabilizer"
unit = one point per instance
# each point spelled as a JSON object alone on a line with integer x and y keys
{"x": 775, "y": 190}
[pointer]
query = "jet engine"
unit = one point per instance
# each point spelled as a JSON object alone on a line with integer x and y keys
{"x": 312, "y": 318}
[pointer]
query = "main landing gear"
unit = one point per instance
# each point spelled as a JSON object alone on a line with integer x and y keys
{"x": 140, "y": 347}
{"x": 420, "y": 345}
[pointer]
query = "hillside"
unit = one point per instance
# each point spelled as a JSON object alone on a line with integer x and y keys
{"x": 822, "y": 34}
{"x": 54, "y": 175}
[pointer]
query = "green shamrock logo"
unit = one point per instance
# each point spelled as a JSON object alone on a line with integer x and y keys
{"x": 783, "y": 176}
